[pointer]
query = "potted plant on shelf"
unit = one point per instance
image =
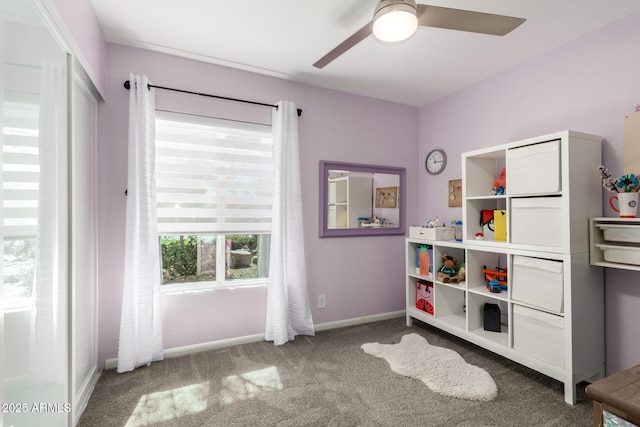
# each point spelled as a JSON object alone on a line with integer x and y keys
{"x": 626, "y": 188}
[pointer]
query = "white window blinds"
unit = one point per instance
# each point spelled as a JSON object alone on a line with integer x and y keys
{"x": 212, "y": 175}
{"x": 20, "y": 168}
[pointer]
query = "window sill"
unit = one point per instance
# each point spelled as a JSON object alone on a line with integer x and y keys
{"x": 187, "y": 288}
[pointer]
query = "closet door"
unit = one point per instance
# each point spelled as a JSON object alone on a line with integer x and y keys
{"x": 84, "y": 236}
{"x": 35, "y": 368}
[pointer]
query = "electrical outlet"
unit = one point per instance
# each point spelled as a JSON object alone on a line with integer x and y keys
{"x": 322, "y": 301}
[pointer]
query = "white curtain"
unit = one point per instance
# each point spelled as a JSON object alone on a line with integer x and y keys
{"x": 140, "y": 326}
{"x": 48, "y": 314}
{"x": 288, "y": 311}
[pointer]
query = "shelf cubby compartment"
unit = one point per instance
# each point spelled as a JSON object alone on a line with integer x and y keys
{"x": 483, "y": 168}
{"x": 439, "y": 251}
{"x": 449, "y": 305}
{"x": 472, "y": 221}
{"x": 412, "y": 296}
{"x": 475, "y": 314}
{"x": 413, "y": 266}
{"x": 476, "y": 262}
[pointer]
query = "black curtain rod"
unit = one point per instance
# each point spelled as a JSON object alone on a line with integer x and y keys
{"x": 127, "y": 85}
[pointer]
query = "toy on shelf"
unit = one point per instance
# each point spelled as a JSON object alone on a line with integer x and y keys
{"x": 486, "y": 222}
{"x": 500, "y": 184}
{"x": 449, "y": 272}
{"x": 462, "y": 272}
{"x": 494, "y": 287}
{"x": 378, "y": 220}
{"x": 496, "y": 280}
{"x": 432, "y": 222}
{"x": 425, "y": 262}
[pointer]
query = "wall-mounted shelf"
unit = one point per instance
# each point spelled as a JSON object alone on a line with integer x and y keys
{"x": 615, "y": 243}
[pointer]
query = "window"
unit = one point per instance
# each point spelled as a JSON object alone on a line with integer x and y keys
{"x": 213, "y": 186}
{"x": 21, "y": 172}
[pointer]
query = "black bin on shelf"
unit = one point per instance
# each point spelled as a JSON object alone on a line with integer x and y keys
{"x": 491, "y": 317}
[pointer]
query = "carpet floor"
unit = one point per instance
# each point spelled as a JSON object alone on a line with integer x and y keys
{"x": 326, "y": 380}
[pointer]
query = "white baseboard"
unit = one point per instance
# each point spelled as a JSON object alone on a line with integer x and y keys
{"x": 359, "y": 320}
{"x": 214, "y": 345}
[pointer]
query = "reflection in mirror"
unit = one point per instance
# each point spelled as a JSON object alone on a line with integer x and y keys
{"x": 359, "y": 200}
{"x": 362, "y": 199}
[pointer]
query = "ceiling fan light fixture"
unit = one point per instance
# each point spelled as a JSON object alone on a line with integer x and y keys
{"x": 395, "y": 20}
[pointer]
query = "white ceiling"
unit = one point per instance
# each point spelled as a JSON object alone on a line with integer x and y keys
{"x": 283, "y": 38}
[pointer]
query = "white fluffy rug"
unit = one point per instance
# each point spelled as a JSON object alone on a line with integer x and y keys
{"x": 443, "y": 370}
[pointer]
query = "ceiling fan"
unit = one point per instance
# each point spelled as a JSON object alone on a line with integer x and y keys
{"x": 396, "y": 20}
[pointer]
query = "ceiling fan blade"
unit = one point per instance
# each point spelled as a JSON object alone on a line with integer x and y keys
{"x": 466, "y": 20}
{"x": 356, "y": 38}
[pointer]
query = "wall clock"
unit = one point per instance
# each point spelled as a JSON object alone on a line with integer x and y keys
{"x": 436, "y": 161}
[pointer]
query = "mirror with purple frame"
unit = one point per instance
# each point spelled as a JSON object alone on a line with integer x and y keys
{"x": 361, "y": 200}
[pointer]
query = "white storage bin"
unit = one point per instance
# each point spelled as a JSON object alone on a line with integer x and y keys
{"x": 534, "y": 169}
{"x": 537, "y": 221}
{"x": 435, "y": 233}
{"x": 621, "y": 254}
{"x": 620, "y": 233}
{"x": 539, "y": 334}
{"x": 537, "y": 282}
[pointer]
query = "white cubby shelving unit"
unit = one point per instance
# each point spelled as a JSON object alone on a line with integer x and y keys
{"x": 350, "y": 197}
{"x": 552, "y": 312}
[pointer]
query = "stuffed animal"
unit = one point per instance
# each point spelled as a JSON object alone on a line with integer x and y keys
{"x": 462, "y": 272}
{"x": 448, "y": 272}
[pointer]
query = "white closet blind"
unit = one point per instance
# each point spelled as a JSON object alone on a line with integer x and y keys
{"x": 212, "y": 175}
{"x": 20, "y": 168}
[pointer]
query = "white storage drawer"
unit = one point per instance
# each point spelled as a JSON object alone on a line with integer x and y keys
{"x": 620, "y": 232}
{"x": 621, "y": 254}
{"x": 534, "y": 169}
{"x": 538, "y": 282}
{"x": 537, "y": 221}
{"x": 539, "y": 334}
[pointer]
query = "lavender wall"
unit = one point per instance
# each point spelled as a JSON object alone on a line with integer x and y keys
{"x": 586, "y": 85}
{"x": 82, "y": 23}
{"x": 360, "y": 276}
